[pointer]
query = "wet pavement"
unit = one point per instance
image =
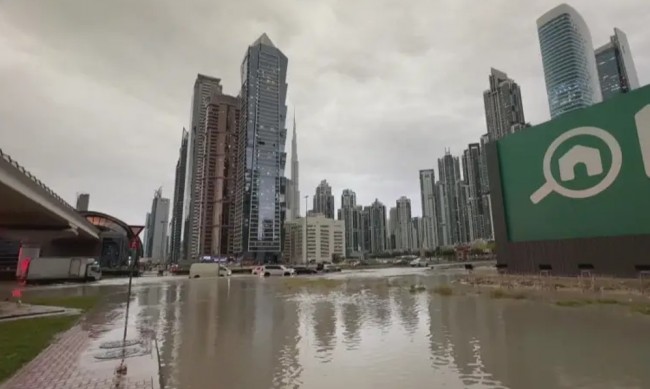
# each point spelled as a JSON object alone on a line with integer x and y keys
{"x": 368, "y": 330}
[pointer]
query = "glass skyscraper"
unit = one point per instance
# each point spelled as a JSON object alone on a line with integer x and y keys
{"x": 259, "y": 202}
{"x": 568, "y": 59}
{"x": 616, "y": 69}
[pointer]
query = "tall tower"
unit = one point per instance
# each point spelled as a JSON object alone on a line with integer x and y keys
{"x": 293, "y": 185}
{"x": 449, "y": 219}
{"x": 179, "y": 196}
{"x": 616, "y": 69}
{"x": 504, "y": 110}
{"x": 259, "y": 202}
{"x": 377, "y": 227}
{"x": 204, "y": 88}
{"x": 429, "y": 227}
{"x": 404, "y": 226}
{"x": 569, "y": 62}
{"x": 324, "y": 200}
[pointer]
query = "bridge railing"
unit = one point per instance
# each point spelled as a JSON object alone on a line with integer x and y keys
{"x": 38, "y": 182}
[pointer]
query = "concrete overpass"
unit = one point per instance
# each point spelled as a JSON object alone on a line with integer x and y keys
{"x": 42, "y": 221}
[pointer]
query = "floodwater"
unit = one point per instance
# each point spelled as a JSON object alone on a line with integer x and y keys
{"x": 371, "y": 331}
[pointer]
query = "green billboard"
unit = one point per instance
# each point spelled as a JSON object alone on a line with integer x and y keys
{"x": 584, "y": 174}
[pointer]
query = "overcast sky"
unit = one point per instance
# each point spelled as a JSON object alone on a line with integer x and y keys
{"x": 94, "y": 93}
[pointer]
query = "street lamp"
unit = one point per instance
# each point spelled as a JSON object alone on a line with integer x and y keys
{"x": 304, "y": 252}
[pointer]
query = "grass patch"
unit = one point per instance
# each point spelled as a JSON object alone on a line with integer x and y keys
{"x": 643, "y": 309}
{"x": 608, "y": 301}
{"x": 22, "y": 340}
{"x": 83, "y": 303}
{"x": 443, "y": 290}
{"x": 573, "y": 303}
{"x": 503, "y": 294}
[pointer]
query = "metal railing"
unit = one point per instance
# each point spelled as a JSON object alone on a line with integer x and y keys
{"x": 35, "y": 180}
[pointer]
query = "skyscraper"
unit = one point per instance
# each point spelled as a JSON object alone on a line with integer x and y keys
{"x": 324, "y": 200}
{"x": 477, "y": 212}
{"x": 204, "y": 88}
{"x": 83, "y": 201}
{"x": 261, "y": 157}
{"x": 377, "y": 227}
{"x": 404, "y": 226}
{"x": 293, "y": 184}
{"x": 616, "y": 70}
{"x": 365, "y": 230}
{"x": 504, "y": 110}
{"x": 449, "y": 221}
{"x": 392, "y": 229}
{"x": 157, "y": 221}
{"x": 179, "y": 196}
{"x": 569, "y": 62}
{"x": 351, "y": 216}
{"x": 216, "y": 225}
{"x": 429, "y": 230}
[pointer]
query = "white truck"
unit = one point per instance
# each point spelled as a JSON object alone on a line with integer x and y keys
{"x": 60, "y": 269}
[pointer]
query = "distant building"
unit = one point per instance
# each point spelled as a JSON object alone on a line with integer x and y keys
{"x": 392, "y": 229}
{"x": 448, "y": 217}
{"x": 616, "y": 70}
{"x": 378, "y": 233}
{"x": 365, "y": 230}
{"x": 324, "y": 200}
{"x": 350, "y": 214}
{"x": 403, "y": 227}
{"x": 504, "y": 110}
{"x": 293, "y": 184}
{"x": 325, "y": 239}
{"x": 179, "y": 196}
{"x": 429, "y": 229}
{"x": 478, "y": 214}
{"x": 261, "y": 157}
{"x": 83, "y": 201}
{"x": 569, "y": 62}
{"x": 156, "y": 228}
{"x": 442, "y": 220}
{"x": 417, "y": 238}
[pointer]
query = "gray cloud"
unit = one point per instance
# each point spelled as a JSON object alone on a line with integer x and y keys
{"x": 93, "y": 94}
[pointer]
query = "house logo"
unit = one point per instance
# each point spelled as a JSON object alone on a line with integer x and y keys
{"x": 590, "y": 157}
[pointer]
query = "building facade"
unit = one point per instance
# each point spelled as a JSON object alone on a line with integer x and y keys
{"x": 325, "y": 239}
{"x": 83, "y": 201}
{"x": 216, "y": 225}
{"x": 478, "y": 213}
{"x": 204, "y": 88}
{"x": 392, "y": 229}
{"x": 324, "y": 200}
{"x": 616, "y": 69}
{"x": 259, "y": 199}
{"x": 179, "y": 195}
{"x": 429, "y": 228}
{"x": 156, "y": 225}
{"x": 569, "y": 62}
{"x": 448, "y": 217}
{"x": 504, "y": 110}
{"x": 404, "y": 226}
{"x": 350, "y": 214}
{"x": 378, "y": 232}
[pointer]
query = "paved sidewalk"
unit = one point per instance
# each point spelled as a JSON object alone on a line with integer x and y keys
{"x": 68, "y": 363}
{"x": 12, "y": 310}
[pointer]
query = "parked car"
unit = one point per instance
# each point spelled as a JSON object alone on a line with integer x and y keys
{"x": 203, "y": 270}
{"x": 419, "y": 262}
{"x": 305, "y": 270}
{"x": 277, "y": 270}
{"x": 331, "y": 268}
{"x": 257, "y": 270}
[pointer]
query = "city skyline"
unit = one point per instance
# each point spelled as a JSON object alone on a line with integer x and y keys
{"x": 150, "y": 151}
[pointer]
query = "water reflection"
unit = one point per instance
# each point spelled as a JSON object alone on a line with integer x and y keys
{"x": 370, "y": 333}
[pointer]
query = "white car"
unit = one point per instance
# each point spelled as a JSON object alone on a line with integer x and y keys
{"x": 277, "y": 270}
{"x": 203, "y": 270}
{"x": 419, "y": 262}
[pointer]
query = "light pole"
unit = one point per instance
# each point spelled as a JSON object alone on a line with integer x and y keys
{"x": 304, "y": 252}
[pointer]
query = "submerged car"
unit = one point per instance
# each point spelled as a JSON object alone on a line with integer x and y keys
{"x": 277, "y": 270}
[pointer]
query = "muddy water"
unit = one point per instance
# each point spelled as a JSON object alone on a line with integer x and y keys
{"x": 371, "y": 331}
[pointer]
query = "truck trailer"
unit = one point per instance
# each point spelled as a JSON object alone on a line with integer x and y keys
{"x": 59, "y": 269}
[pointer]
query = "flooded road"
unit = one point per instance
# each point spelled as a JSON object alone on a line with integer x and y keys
{"x": 369, "y": 330}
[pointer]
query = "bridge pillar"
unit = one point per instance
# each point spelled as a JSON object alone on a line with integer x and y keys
{"x": 28, "y": 251}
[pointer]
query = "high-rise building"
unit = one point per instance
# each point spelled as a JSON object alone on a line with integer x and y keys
{"x": 324, "y": 200}
{"x": 392, "y": 229}
{"x": 504, "y": 110}
{"x": 293, "y": 184}
{"x": 259, "y": 202}
{"x": 616, "y": 70}
{"x": 429, "y": 230}
{"x": 83, "y": 201}
{"x": 377, "y": 217}
{"x": 477, "y": 212}
{"x": 462, "y": 196}
{"x": 442, "y": 220}
{"x": 404, "y": 226}
{"x": 365, "y": 230}
{"x": 485, "y": 189}
{"x": 216, "y": 230}
{"x": 156, "y": 225}
{"x": 351, "y": 216}
{"x": 416, "y": 234}
{"x": 204, "y": 88}
{"x": 179, "y": 196}
{"x": 449, "y": 220}
{"x": 325, "y": 239}
{"x": 569, "y": 62}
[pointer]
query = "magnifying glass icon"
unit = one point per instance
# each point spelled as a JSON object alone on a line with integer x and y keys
{"x": 551, "y": 185}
